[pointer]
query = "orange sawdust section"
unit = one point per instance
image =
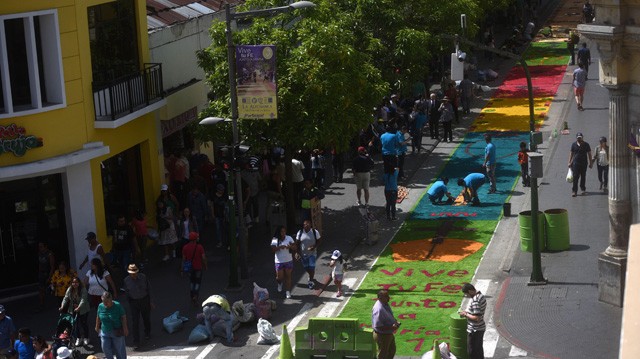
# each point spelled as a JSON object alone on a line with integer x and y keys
{"x": 402, "y": 193}
{"x": 450, "y": 250}
{"x": 460, "y": 199}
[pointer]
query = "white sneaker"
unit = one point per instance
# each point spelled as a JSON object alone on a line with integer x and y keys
{"x": 165, "y": 258}
{"x": 288, "y": 295}
{"x": 78, "y": 342}
{"x": 358, "y": 203}
{"x": 279, "y": 287}
{"x": 85, "y": 341}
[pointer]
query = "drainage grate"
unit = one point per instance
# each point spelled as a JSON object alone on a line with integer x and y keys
{"x": 558, "y": 293}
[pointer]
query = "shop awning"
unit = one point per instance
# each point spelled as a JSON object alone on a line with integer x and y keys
{"x": 54, "y": 164}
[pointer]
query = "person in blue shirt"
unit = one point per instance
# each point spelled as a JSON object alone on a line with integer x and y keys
{"x": 490, "y": 163}
{"x": 390, "y": 179}
{"x": 24, "y": 344}
{"x": 403, "y": 138}
{"x": 7, "y": 331}
{"x": 471, "y": 183}
{"x": 439, "y": 190}
{"x": 390, "y": 142}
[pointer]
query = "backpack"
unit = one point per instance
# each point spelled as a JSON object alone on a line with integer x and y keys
{"x": 575, "y": 39}
{"x": 187, "y": 267}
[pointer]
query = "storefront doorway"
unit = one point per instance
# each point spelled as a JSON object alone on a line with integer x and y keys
{"x": 31, "y": 210}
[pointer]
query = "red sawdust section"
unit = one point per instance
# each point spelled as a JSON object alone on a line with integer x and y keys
{"x": 450, "y": 250}
{"x": 544, "y": 78}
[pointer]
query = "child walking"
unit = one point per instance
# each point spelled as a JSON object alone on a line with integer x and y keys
{"x": 523, "y": 160}
{"x": 339, "y": 267}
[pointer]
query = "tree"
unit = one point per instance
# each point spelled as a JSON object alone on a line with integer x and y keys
{"x": 327, "y": 83}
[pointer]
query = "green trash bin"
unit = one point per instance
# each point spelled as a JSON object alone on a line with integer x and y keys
{"x": 458, "y": 336}
{"x": 557, "y": 227}
{"x": 526, "y": 231}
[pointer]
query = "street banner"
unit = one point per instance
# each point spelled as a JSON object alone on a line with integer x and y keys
{"x": 256, "y": 81}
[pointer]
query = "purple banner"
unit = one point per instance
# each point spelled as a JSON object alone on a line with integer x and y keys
{"x": 256, "y": 81}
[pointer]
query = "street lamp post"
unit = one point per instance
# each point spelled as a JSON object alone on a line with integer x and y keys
{"x": 229, "y": 17}
{"x": 536, "y": 273}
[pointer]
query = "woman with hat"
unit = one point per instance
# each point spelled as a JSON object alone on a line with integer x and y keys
{"x": 169, "y": 199}
{"x": 446, "y": 117}
{"x": 95, "y": 251}
{"x": 602, "y": 161}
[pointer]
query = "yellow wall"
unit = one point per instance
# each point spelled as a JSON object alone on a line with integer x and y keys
{"x": 68, "y": 129}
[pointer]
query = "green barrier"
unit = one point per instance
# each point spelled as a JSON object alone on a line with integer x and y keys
{"x": 458, "y": 336}
{"x": 526, "y": 233}
{"x": 334, "y": 338}
{"x": 557, "y": 226}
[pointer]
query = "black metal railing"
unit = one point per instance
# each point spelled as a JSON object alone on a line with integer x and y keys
{"x": 127, "y": 94}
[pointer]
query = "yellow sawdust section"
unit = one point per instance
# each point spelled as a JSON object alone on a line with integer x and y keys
{"x": 460, "y": 199}
{"x": 510, "y": 114}
{"x": 450, "y": 250}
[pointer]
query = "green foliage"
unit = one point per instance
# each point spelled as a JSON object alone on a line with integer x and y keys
{"x": 335, "y": 62}
{"x": 327, "y": 84}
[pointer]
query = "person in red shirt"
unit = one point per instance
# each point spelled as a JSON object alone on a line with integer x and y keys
{"x": 523, "y": 160}
{"x": 194, "y": 253}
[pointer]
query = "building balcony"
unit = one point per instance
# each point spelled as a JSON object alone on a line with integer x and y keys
{"x": 124, "y": 99}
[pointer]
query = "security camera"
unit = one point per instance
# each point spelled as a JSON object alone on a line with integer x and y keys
{"x": 461, "y": 55}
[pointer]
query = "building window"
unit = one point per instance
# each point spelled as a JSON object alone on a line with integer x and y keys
{"x": 113, "y": 40}
{"x": 31, "y": 75}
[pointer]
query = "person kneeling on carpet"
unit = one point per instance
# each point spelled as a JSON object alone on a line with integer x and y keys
{"x": 471, "y": 183}
{"x": 439, "y": 190}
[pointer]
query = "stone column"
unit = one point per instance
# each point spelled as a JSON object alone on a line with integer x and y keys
{"x": 612, "y": 263}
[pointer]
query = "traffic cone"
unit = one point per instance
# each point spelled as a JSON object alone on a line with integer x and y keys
{"x": 436, "y": 350}
{"x": 285, "y": 345}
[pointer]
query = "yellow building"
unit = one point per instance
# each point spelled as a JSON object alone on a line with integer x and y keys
{"x": 78, "y": 137}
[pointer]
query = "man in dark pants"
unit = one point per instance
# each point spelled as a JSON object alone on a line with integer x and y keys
{"x": 475, "y": 321}
{"x": 138, "y": 290}
{"x": 580, "y": 152}
{"x": 433, "y": 116}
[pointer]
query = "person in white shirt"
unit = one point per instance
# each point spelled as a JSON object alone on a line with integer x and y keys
{"x": 339, "y": 265}
{"x": 280, "y": 245}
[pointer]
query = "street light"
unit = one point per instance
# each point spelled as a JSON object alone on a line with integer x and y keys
{"x": 229, "y": 16}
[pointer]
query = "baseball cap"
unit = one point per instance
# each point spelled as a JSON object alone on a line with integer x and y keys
{"x": 336, "y": 254}
{"x": 603, "y": 139}
{"x": 220, "y": 187}
{"x": 360, "y": 149}
{"x": 91, "y": 236}
{"x": 164, "y": 187}
{"x": 579, "y": 134}
{"x": 193, "y": 236}
{"x": 1, "y": 308}
{"x": 64, "y": 352}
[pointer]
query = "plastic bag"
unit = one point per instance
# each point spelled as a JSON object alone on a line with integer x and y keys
{"x": 198, "y": 334}
{"x": 261, "y": 301}
{"x": 153, "y": 234}
{"x": 244, "y": 312}
{"x": 570, "y": 176}
{"x": 174, "y": 322}
{"x": 267, "y": 334}
{"x": 259, "y": 294}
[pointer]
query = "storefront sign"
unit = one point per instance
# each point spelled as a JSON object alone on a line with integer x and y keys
{"x": 14, "y": 139}
{"x": 177, "y": 123}
{"x": 256, "y": 76}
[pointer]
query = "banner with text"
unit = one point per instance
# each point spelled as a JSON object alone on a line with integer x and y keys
{"x": 256, "y": 81}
